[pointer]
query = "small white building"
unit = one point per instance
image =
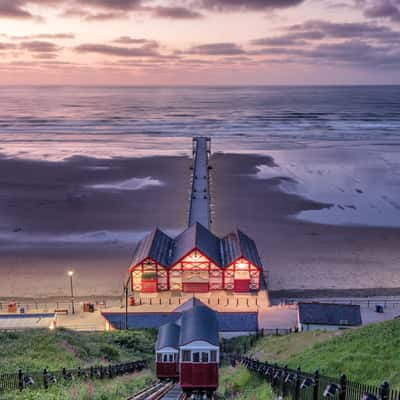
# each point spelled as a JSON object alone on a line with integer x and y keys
{"x": 327, "y": 316}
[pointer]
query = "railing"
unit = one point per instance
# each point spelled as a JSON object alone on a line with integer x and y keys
{"x": 368, "y": 303}
{"x": 45, "y": 379}
{"x": 299, "y": 385}
{"x": 52, "y": 306}
{"x": 226, "y": 301}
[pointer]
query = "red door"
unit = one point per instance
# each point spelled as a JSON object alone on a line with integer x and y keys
{"x": 149, "y": 285}
{"x": 242, "y": 285}
{"x": 195, "y": 287}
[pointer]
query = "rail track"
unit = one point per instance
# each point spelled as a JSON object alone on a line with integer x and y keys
{"x": 168, "y": 391}
{"x": 164, "y": 391}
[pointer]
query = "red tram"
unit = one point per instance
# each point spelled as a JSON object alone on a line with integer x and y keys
{"x": 199, "y": 351}
{"x": 167, "y": 352}
{"x": 190, "y": 349}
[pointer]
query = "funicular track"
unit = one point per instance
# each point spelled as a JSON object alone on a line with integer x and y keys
{"x": 158, "y": 391}
{"x": 167, "y": 391}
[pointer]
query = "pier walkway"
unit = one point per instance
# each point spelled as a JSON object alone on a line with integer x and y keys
{"x": 200, "y": 197}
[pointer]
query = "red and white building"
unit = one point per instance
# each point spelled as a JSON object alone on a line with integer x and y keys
{"x": 195, "y": 261}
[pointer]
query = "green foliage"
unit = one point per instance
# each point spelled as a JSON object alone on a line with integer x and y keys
{"x": 239, "y": 383}
{"x": 116, "y": 389}
{"x": 37, "y": 349}
{"x": 370, "y": 354}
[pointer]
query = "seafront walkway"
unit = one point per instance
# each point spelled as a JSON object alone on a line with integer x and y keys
{"x": 270, "y": 318}
{"x": 199, "y": 210}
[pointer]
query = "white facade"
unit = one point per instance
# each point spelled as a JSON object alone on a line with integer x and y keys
{"x": 199, "y": 348}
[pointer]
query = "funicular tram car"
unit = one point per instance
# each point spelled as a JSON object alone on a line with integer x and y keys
{"x": 167, "y": 352}
{"x": 199, "y": 351}
{"x": 189, "y": 349}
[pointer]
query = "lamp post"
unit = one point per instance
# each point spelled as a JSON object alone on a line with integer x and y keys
{"x": 70, "y": 274}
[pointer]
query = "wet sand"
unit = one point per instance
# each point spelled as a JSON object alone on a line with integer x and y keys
{"x": 300, "y": 255}
{"x": 52, "y": 219}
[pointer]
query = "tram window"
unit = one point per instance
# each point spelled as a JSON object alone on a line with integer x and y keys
{"x": 204, "y": 357}
{"x": 186, "y": 355}
{"x": 213, "y": 356}
{"x": 171, "y": 357}
{"x": 196, "y": 357}
{"x": 165, "y": 358}
{"x": 159, "y": 357}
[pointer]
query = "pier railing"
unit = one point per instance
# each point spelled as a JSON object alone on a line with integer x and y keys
{"x": 292, "y": 384}
{"x": 44, "y": 379}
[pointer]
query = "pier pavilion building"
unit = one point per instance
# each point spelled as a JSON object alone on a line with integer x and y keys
{"x": 196, "y": 260}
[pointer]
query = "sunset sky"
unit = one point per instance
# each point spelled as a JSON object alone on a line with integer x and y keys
{"x": 199, "y": 42}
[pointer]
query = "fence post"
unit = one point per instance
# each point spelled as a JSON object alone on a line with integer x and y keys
{"x": 343, "y": 387}
{"x": 283, "y": 377}
{"x": 297, "y": 384}
{"x": 20, "y": 380}
{"x": 91, "y": 373}
{"x": 45, "y": 382}
{"x": 316, "y": 385}
{"x": 384, "y": 391}
{"x": 101, "y": 372}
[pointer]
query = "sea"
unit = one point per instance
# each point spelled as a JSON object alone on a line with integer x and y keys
{"x": 338, "y": 145}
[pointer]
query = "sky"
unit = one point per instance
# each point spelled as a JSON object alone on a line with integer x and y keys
{"x": 199, "y": 42}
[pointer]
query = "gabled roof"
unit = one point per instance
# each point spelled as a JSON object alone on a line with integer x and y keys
{"x": 196, "y": 236}
{"x": 329, "y": 314}
{"x": 199, "y": 323}
{"x": 188, "y": 305}
{"x": 156, "y": 245}
{"x": 166, "y": 251}
{"x": 237, "y": 245}
{"x": 168, "y": 336}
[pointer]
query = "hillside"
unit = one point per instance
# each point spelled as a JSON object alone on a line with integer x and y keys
{"x": 37, "y": 349}
{"x": 370, "y": 354}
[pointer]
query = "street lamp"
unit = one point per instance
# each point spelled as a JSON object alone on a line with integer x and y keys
{"x": 70, "y": 274}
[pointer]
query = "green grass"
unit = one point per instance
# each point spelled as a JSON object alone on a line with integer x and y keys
{"x": 116, "y": 389}
{"x": 54, "y": 350}
{"x": 239, "y": 383}
{"x": 32, "y": 351}
{"x": 369, "y": 354}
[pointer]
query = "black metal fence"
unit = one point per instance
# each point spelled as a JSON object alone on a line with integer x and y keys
{"x": 44, "y": 379}
{"x": 299, "y": 385}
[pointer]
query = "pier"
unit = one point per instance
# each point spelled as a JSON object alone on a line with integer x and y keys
{"x": 199, "y": 210}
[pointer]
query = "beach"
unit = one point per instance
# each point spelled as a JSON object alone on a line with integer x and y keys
{"x": 88, "y": 213}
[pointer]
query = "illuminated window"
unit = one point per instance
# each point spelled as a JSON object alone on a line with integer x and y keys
{"x": 159, "y": 357}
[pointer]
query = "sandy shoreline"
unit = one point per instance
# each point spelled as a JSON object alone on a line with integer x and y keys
{"x": 94, "y": 230}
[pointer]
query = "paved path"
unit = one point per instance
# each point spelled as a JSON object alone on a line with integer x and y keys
{"x": 200, "y": 197}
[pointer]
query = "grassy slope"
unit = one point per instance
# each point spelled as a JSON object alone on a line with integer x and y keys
{"x": 35, "y": 350}
{"x": 38, "y": 349}
{"x": 115, "y": 389}
{"x": 369, "y": 354}
{"x": 239, "y": 383}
